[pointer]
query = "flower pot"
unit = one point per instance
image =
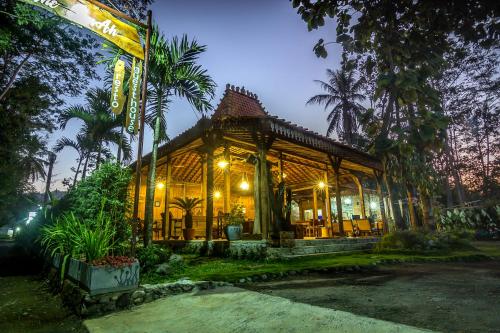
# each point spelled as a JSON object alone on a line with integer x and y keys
{"x": 233, "y": 232}
{"x": 105, "y": 279}
{"x": 188, "y": 233}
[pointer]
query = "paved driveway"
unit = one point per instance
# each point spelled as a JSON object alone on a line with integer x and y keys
{"x": 232, "y": 309}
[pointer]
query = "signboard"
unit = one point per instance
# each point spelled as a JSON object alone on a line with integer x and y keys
{"x": 133, "y": 97}
{"x": 98, "y": 20}
{"x": 117, "y": 97}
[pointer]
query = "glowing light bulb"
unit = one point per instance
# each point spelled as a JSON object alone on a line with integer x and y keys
{"x": 217, "y": 194}
{"x": 222, "y": 164}
{"x": 160, "y": 185}
{"x": 244, "y": 185}
{"x": 373, "y": 205}
{"x": 321, "y": 185}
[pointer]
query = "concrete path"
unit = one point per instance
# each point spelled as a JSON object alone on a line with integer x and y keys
{"x": 233, "y": 309}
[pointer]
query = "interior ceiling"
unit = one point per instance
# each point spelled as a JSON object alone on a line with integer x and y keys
{"x": 299, "y": 171}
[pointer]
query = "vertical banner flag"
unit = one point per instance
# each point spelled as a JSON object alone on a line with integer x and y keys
{"x": 134, "y": 91}
{"x": 98, "y": 20}
{"x": 117, "y": 97}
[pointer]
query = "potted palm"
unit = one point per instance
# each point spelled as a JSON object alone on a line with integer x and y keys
{"x": 235, "y": 220}
{"x": 187, "y": 205}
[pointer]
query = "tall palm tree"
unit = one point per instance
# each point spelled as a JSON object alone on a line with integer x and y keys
{"x": 100, "y": 125}
{"x": 341, "y": 99}
{"x": 173, "y": 72}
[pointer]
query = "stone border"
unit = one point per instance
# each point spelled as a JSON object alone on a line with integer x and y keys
{"x": 358, "y": 268}
{"x": 83, "y": 304}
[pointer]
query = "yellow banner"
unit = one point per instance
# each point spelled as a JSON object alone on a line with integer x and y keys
{"x": 96, "y": 19}
{"x": 117, "y": 97}
{"x": 134, "y": 91}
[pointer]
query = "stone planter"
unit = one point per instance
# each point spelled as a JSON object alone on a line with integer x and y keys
{"x": 233, "y": 232}
{"x": 105, "y": 279}
{"x": 74, "y": 270}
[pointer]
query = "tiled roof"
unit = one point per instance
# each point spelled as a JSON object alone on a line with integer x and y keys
{"x": 237, "y": 102}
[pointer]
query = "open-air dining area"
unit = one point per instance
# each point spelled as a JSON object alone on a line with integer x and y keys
{"x": 306, "y": 182}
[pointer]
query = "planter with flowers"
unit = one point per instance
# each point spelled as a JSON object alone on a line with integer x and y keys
{"x": 82, "y": 251}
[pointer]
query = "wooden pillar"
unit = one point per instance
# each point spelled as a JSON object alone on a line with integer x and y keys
{"x": 227, "y": 181}
{"x": 315, "y": 205}
{"x": 336, "y": 161}
{"x": 264, "y": 191}
{"x": 328, "y": 207}
{"x": 204, "y": 184}
{"x": 166, "y": 211}
{"x": 256, "y": 198}
{"x": 378, "y": 178}
{"x": 361, "y": 196}
{"x": 209, "y": 194}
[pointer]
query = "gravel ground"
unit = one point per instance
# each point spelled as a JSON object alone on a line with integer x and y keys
{"x": 447, "y": 297}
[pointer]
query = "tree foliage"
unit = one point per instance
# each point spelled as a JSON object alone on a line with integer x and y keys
{"x": 402, "y": 48}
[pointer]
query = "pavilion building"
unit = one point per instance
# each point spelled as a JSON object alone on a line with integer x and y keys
{"x": 239, "y": 152}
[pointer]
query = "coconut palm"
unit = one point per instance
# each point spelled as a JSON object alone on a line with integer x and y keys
{"x": 82, "y": 147}
{"x": 341, "y": 99}
{"x": 100, "y": 125}
{"x": 173, "y": 72}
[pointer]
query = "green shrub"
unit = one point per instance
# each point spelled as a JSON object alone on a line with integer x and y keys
{"x": 109, "y": 184}
{"x": 71, "y": 237}
{"x": 483, "y": 220}
{"x": 418, "y": 241}
{"x": 152, "y": 255}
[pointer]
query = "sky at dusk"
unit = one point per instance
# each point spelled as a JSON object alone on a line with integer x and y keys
{"x": 261, "y": 45}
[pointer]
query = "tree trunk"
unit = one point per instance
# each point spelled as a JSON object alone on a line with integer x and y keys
{"x": 52, "y": 160}
{"x": 84, "y": 173}
{"x": 14, "y": 75}
{"x": 426, "y": 205}
{"x": 411, "y": 208}
{"x": 80, "y": 159}
{"x": 151, "y": 182}
{"x": 396, "y": 212}
{"x": 119, "y": 154}
{"x": 98, "y": 161}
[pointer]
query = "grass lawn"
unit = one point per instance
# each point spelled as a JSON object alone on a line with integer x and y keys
{"x": 224, "y": 269}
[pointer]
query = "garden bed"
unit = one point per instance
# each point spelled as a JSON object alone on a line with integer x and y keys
{"x": 232, "y": 270}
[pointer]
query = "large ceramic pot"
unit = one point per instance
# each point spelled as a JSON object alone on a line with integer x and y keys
{"x": 233, "y": 232}
{"x": 188, "y": 233}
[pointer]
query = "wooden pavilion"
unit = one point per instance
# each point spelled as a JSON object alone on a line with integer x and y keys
{"x": 238, "y": 153}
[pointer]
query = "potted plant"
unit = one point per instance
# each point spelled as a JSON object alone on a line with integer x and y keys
{"x": 187, "y": 205}
{"x": 235, "y": 220}
{"x": 84, "y": 247}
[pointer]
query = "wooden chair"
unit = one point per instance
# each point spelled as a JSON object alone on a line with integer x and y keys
{"x": 379, "y": 227}
{"x": 364, "y": 227}
{"x": 348, "y": 227}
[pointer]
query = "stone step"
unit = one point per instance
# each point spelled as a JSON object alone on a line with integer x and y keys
{"x": 316, "y": 242}
{"x": 312, "y": 255}
{"x": 321, "y": 249}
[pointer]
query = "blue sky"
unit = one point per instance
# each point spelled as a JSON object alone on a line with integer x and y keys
{"x": 261, "y": 45}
